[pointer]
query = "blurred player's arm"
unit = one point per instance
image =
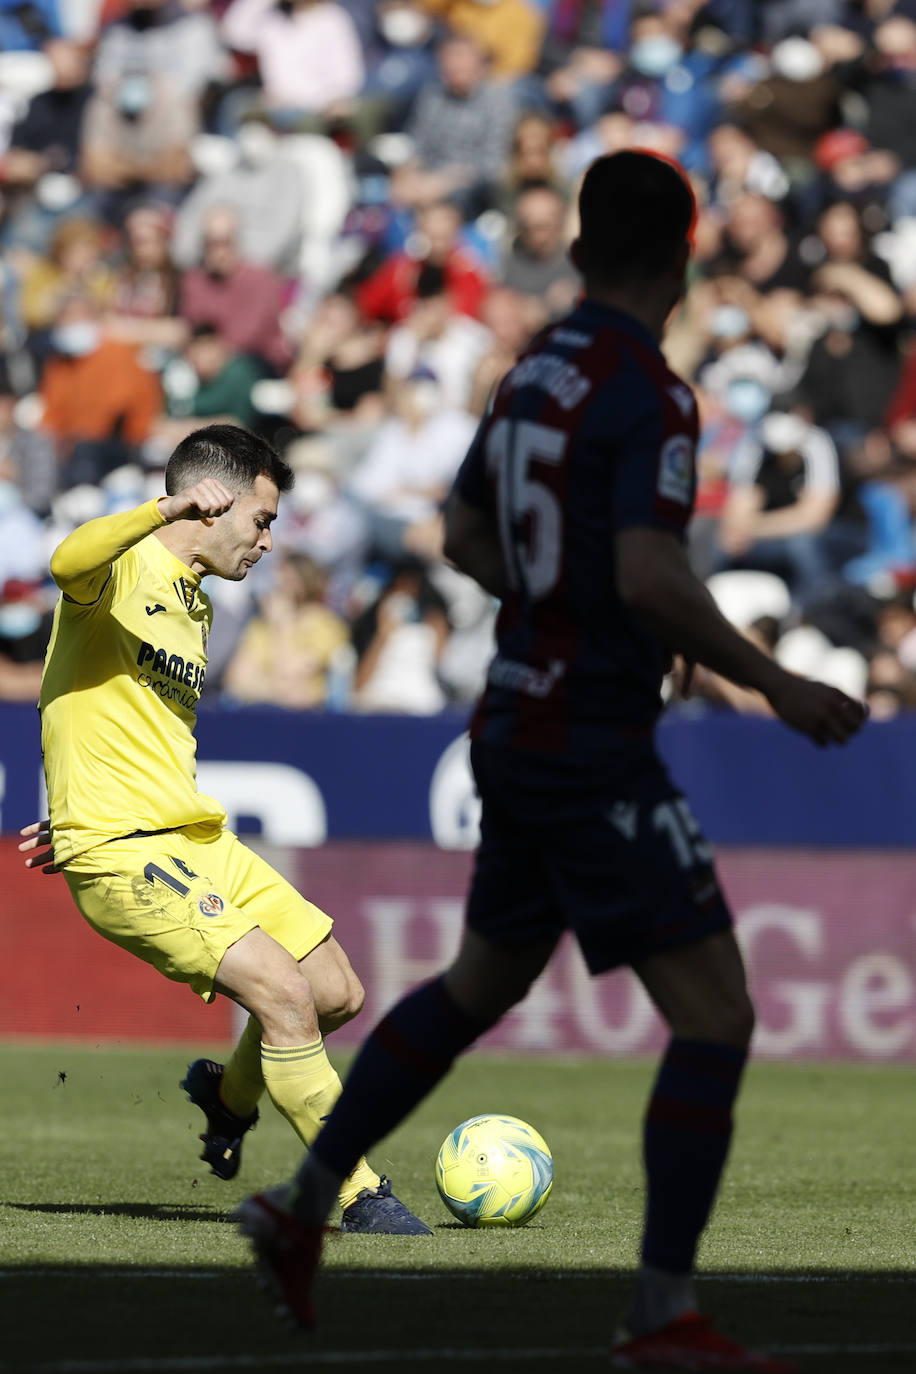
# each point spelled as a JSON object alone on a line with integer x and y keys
{"x": 472, "y": 545}
{"x": 655, "y": 583}
{"x": 81, "y": 565}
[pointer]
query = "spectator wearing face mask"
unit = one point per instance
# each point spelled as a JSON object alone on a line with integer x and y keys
{"x": 793, "y": 105}
{"x": 409, "y": 468}
{"x": 400, "y": 60}
{"x": 135, "y": 138}
{"x": 99, "y": 402}
{"x": 667, "y": 82}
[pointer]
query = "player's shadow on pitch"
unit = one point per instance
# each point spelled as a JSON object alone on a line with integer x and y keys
{"x": 149, "y": 1211}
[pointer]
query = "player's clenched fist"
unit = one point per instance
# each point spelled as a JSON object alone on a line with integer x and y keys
{"x": 824, "y": 714}
{"x": 200, "y": 502}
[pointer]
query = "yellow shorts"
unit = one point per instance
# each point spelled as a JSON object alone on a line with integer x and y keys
{"x": 179, "y": 900}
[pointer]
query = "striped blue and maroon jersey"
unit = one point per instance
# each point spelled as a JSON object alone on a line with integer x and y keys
{"x": 590, "y": 433}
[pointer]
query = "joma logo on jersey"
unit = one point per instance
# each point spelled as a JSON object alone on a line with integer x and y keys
{"x": 172, "y": 666}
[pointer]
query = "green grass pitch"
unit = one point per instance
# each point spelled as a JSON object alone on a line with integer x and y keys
{"x": 117, "y": 1257}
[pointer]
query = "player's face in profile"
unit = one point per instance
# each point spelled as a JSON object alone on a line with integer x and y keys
{"x": 242, "y": 536}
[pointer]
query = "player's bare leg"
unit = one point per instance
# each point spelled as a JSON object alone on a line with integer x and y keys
{"x": 278, "y": 992}
{"x": 404, "y": 1058}
{"x": 701, "y": 991}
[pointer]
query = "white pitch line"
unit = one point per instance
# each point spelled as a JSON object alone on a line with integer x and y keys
{"x": 189, "y": 1364}
{"x": 408, "y": 1276}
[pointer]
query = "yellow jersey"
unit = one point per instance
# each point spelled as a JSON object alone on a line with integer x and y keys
{"x": 124, "y": 671}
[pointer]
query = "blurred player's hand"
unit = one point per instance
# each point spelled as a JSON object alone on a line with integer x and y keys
{"x": 38, "y": 836}
{"x": 824, "y": 714}
{"x": 203, "y": 501}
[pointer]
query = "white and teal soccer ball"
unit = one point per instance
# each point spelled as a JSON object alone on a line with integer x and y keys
{"x": 494, "y": 1171}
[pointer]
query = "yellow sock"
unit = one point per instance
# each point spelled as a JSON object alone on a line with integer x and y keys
{"x": 304, "y": 1087}
{"x": 242, "y": 1083}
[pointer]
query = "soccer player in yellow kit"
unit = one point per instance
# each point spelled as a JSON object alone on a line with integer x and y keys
{"x": 147, "y": 858}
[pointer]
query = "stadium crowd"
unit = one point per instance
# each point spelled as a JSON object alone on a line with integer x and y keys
{"x": 338, "y": 225}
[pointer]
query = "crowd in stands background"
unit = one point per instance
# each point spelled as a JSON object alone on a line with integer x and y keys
{"x": 339, "y": 224}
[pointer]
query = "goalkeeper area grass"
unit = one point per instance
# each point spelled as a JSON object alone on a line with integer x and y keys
{"x": 117, "y": 1255}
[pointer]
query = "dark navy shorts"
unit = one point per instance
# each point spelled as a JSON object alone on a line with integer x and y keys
{"x": 611, "y": 852}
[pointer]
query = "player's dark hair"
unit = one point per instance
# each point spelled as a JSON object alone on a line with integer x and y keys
{"x": 636, "y": 210}
{"x": 229, "y": 453}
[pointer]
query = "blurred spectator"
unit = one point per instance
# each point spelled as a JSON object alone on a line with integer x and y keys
{"x": 722, "y": 435}
{"x": 243, "y": 300}
{"x": 144, "y": 299}
{"x": 533, "y": 158}
{"x": 339, "y": 372}
{"x": 891, "y": 687}
{"x": 22, "y": 551}
{"x": 25, "y": 628}
{"x": 27, "y": 27}
{"x": 170, "y": 45}
{"x": 739, "y": 166}
{"x": 757, "y": 247}
{"x": 207, "y": 382}
{"x": 798, "y": 101}
{"x": 309, "y": 57}
{"x": 400, "y": 60}
{"x": 513, "y": 320}
{"x": 579, "y": 56}
{"x": 288, "y": 646}
{"x": 461, "y": 129}
{"x": 431, "y": 336}
{"x": 900, "y": 416}
{"x": 669, "y": 80}
{"x": 885, "y": 78}
{"x": 75, "y": 263}
{"x": 409, "y": 467}
{"x": 99, "y": 402}
{"x": 335, "y": 288}
{"x": 46, "y": 141}
{"x": 537, "y": 263}
{"x": 390, "y": 293}
{"x": 26, "y": 455}
{"x": 784, "y": 487}
{"x": 853, "y": 367}
{"x": 136, "y": 133}
{"x": 265, "y": 187}
{"x": 508, "y": 31}
{"x": 854, "y": 172}
{"x": 400, "y": 640}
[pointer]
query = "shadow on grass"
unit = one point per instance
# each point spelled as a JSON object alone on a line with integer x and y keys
{"x": 104, "y": 1319}
{"x": 147, "y": 1211}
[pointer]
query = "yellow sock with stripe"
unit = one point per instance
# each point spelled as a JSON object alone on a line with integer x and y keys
{"x": 304, "y": 1087}
{"x": 242, "y": 1083}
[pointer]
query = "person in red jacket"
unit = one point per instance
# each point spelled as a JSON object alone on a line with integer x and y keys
{"x": 391, "y": 292}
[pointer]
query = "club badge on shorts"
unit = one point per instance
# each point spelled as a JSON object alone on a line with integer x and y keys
{"x": 210, "y": 905}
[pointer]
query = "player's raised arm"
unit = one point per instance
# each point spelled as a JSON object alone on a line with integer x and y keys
{"x": 81, "y": 564}
{"x": 655, "y": 582}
